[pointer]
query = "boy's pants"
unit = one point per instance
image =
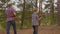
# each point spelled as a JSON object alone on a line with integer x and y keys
{"x": 9, "y": 23}
{"x": 35, "y": 29}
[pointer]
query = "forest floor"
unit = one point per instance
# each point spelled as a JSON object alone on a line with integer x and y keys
{"x": 42, "y": 30}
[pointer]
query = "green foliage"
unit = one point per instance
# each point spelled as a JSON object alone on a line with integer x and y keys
{"x": 49, "y": 20}
{"x": 46, "y": 20}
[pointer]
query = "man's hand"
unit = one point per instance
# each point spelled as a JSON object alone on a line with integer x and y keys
{"x": 14, "y": 14}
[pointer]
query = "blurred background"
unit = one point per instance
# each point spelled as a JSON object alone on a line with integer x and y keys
{"x": 24, "y": 10}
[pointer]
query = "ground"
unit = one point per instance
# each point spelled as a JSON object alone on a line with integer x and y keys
{"x": 42, "y": 30}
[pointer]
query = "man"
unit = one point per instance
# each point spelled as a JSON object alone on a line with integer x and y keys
{"x": 35, "y": 21}
{"x": 10, "y": 18}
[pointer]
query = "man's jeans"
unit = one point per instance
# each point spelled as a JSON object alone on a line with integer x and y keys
{"x": 35, "y": 29}
{"x": 9, "y": 23}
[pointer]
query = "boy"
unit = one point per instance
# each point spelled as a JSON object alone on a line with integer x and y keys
{"x": 35, "y": 21}
{"x": 10, "y": 18}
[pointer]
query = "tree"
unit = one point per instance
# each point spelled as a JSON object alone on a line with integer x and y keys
{"x": 52, "y": 7}
{"x": 52, "y": 10}
{"x": 40, "y": 7}
{"x": 23, "y": 14}
{"x": 3, "y": 0}
{"x": 58, "y": 17}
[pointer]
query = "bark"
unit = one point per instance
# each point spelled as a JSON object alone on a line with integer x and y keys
{"x": 58, "y": 17}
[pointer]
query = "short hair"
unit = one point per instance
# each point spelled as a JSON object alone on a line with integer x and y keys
{"x": 10, "y": 5}
{"x": 36, "y": 9}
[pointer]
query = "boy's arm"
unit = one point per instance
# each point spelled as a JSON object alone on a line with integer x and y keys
{"x": 39, "y": 17}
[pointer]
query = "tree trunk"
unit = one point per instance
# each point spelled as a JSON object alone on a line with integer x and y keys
{"x": 40, "y": 10}
{"x": 52, "y": 8}
{"x": 52, "y": 11}
{"x": 58, "y": 17}
{"x": 23, "y": 15}
{"x": 36, "y": 3}
{"x": 40, "y": 7}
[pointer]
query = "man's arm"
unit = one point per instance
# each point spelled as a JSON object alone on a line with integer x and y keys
{"x": 14, "y": 14}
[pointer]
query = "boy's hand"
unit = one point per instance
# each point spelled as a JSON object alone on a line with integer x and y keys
{"x": 40, "y": 17}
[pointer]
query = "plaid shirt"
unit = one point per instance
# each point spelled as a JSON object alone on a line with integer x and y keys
{"x": 35, "y": 19}
{"x": 8, "y": 12}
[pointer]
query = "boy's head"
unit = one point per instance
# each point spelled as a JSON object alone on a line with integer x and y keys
{"x": 36, "y": 10}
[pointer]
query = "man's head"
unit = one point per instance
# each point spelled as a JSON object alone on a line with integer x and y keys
{"x": 36, "y": 10}
{"x": 10, "y": 5}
